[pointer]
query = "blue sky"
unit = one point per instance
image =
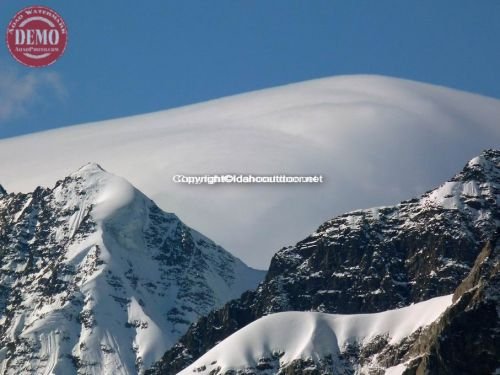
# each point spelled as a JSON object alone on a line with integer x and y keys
{"x": 127, "y": 57}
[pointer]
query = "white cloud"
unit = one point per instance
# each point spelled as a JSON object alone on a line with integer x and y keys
{"x": 19, "y": 91}
{"x": 376, "y": 140}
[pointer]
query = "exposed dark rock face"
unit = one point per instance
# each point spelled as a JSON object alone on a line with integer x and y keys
{"x": 368, "y": 260}
{"x": 466, "y": 339}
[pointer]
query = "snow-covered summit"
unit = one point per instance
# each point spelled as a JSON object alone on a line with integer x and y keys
{"x": 106, "y": 192}
{"x": 88, "y": 169}
{"x": 477, "y": 183}
{"x": 95, "y": 278}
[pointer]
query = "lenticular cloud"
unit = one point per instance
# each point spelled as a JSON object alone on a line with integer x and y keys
{"x": 374, "y": 139}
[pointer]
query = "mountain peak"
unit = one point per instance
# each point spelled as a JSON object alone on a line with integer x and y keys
{"x": 109, "y": 281}
{"x": 89, "y": 169}
{"x": 2, "y": 191}
{"x": 488, "y": 160}
{"x": 490, "y": 154}
{"x": 102, "y": 192}
{"x": 474, "y": 187}
{"x": 484, "y": 167}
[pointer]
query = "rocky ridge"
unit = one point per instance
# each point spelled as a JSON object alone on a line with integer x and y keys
{"x": 454, "y": 334}
{"x": 367, "y": 261}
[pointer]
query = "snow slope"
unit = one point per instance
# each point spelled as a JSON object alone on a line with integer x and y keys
{"x": 96, "y": 279}
{"x": 290, "y": 336}
{"x": 375, "y": 139}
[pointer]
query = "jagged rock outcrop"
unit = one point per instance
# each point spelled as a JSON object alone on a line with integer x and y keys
{"x": 367, "y": 261}
{"x": 95, "y": 278}
{"x": 466, "y": 339}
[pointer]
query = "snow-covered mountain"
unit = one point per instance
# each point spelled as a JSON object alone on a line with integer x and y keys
{"x": 376, "y": 140}
{"x": 316, "y": 340}
{"x": 96, "y": 279}
{"x": 453, "y": 334}
{"x": 367, "y": 261}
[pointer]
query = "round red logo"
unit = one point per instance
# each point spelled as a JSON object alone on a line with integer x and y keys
{"x": 37, "y": 36}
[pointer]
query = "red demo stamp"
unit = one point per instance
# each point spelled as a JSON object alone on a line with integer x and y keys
{"x": 37, "y": 36}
